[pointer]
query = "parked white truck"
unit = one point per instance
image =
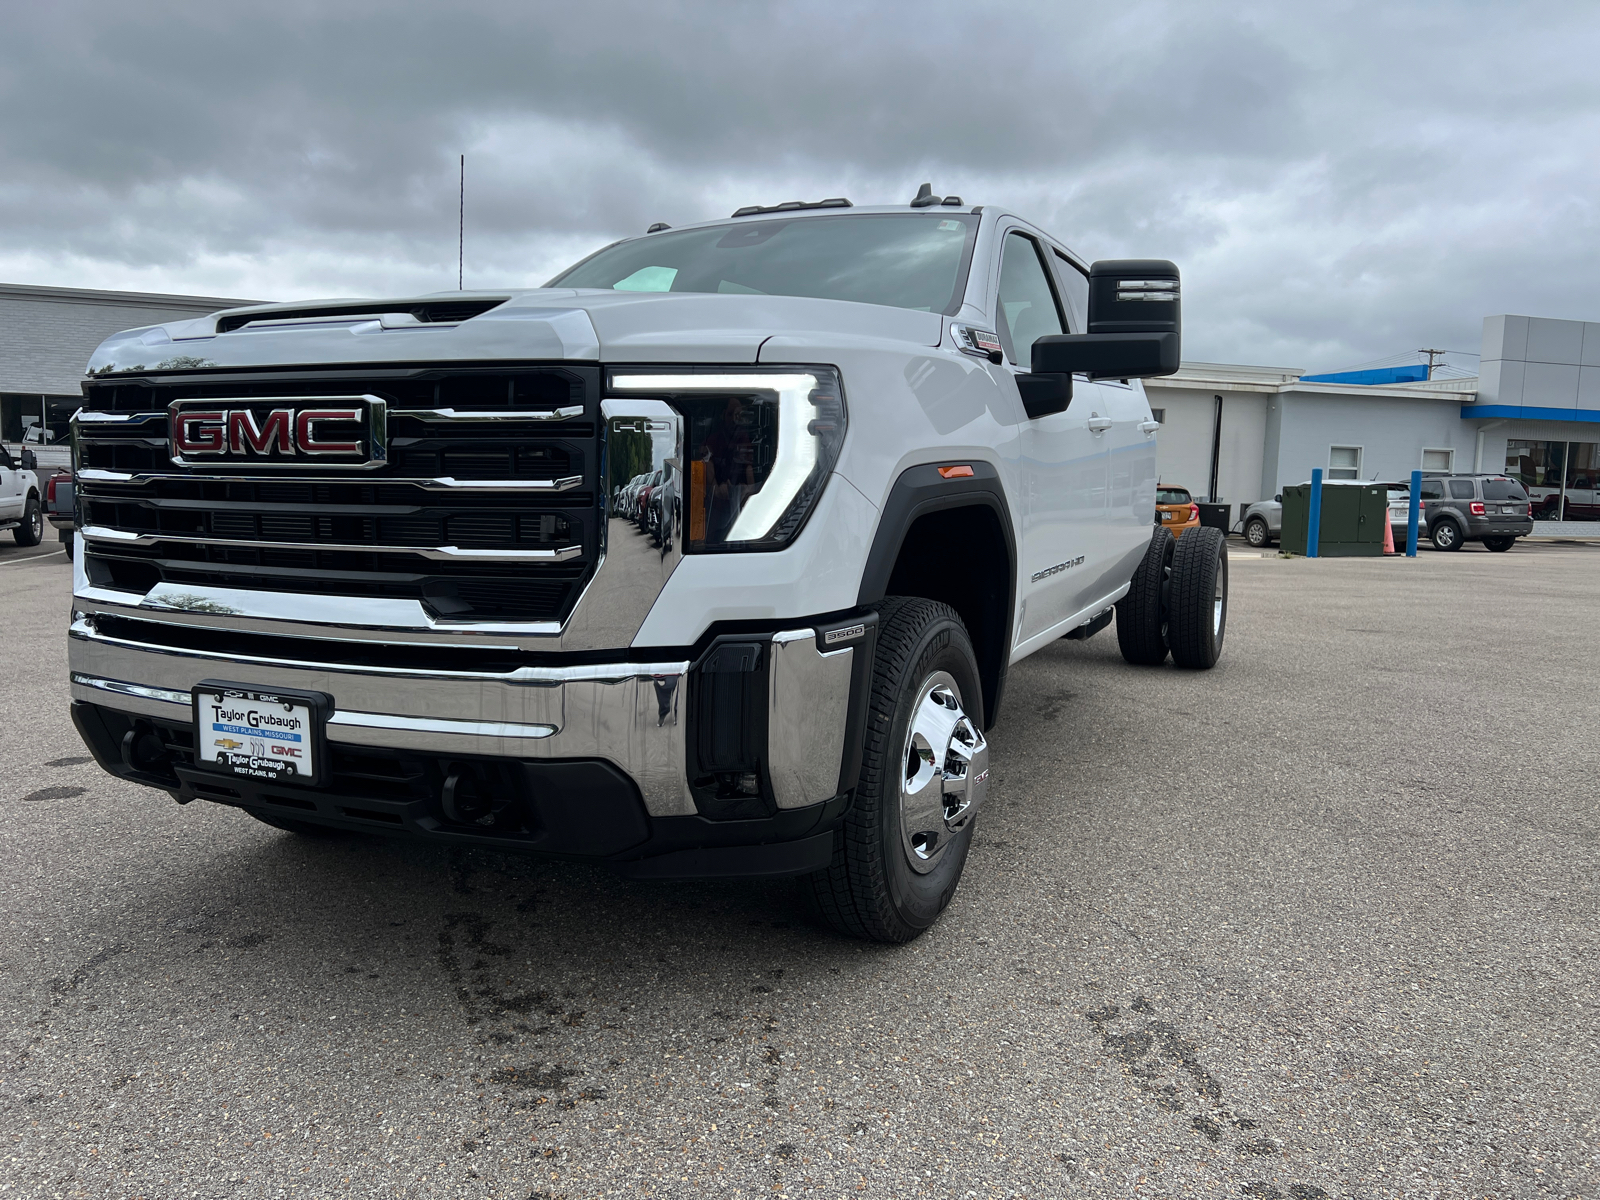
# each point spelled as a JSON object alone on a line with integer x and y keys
{"x": 20, "y": 511}
{"x": 359, "y": 564}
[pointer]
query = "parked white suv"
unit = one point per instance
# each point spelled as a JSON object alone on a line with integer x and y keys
{"x": 350, "y": 565}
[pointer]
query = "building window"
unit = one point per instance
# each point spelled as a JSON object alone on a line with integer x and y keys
{"x": 1439, "y": 460}
{"x": 1344, "y": 462}
{"x": 1562, "y": 479}
{"x": 1158, "y": 415}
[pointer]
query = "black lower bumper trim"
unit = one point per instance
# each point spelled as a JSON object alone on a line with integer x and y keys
{"x": 576, "y": 809}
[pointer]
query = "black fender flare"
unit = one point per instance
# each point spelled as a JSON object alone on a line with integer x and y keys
{"x": 919, "y": 491}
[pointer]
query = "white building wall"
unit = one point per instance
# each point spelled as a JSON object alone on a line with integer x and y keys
{"x": 1391, "y": 431}
{"x": 1183, "y": 447}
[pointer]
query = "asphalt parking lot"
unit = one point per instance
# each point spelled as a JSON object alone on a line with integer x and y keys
{"x": 1322, "y": 922}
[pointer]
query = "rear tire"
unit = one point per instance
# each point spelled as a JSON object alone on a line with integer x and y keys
{"x": 31, "y": 530}
{"x": 1255, "y": 532}
{"x": 1197, "y": 604}
{"x": 69, "y": 546}
{"x": 1446, "y": 535}
{"x": 871, "y": 889}
{"x": 308, "y": 829}
{"x": 1499, "y": 544}
{"x": 1141, "y": 619}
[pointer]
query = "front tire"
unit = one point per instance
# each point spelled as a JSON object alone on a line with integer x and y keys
{"x": 1446, "y": 535}
{"x": 1255, "y": 532}
{"x": 898, "y": 856}
{"x": 1197, "y": 604}
{"x": 31, "y": 530}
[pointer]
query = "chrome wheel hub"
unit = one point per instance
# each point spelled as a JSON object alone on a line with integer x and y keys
{"x": 944, "y": 772}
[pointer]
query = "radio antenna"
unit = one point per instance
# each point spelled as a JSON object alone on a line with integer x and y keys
{"x": 461, "y": 228}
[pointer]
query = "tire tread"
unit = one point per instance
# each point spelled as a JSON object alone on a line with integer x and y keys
{"x": 852, "y": 894}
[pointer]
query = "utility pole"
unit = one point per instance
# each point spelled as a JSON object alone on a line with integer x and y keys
{"x": 461, "y": 229}
{"x": 1432, "y": 354}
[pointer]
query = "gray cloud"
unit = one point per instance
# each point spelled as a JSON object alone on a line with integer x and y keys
{"x": 1338, "y": 184}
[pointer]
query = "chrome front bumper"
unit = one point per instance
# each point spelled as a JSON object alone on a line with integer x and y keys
{"x": 629, "y": 714}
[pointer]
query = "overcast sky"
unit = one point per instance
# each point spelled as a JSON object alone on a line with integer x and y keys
{"x": 1339, "y": 182}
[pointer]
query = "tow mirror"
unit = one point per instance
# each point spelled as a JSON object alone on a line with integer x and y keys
{"x": 30, "y": 460}
{"x": 1135, "y": 325}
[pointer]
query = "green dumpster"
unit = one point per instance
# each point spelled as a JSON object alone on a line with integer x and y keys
{"x": 1353, "y": 519}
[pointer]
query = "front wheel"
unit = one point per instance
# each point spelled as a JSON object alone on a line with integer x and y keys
{"x": 1255, "y": 532}
{"x": 1499, "y": 544}
{"x": 32, "y": 528}
{"x": 898, "y": 856}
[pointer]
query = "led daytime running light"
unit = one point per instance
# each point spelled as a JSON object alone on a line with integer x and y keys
{"x": 797, "y": 447}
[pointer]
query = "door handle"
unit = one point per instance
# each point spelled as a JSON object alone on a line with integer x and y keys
{"x": 1149, "y": 427}
{"x": 1099, "y": 424}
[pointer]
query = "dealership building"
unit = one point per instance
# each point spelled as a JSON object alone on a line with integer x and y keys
{"x": 1233, "y": 434}
{"x": 48, "y": 333}
{"x": 1237, "y": 434}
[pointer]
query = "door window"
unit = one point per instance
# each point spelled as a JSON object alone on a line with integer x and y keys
{"x": 1075, "y": 288}
{"x": 1462, "y": 489}
{"x": 1028, "y": 307}
{"x": 1431, "y": 489}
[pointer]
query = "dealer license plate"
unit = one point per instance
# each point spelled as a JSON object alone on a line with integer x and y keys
{"x": 275, "y": 736}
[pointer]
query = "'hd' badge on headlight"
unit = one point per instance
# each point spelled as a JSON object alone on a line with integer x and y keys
{"x": 279, "y": 431}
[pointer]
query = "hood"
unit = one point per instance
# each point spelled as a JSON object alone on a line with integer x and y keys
{"x": 541, "y": 324}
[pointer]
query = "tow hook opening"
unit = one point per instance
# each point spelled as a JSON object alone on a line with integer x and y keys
{"x": 143, "y": 749}
{"x": 477, "y": 795}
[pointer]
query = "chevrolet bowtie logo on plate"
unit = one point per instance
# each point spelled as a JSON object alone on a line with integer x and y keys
{"x": 347, "y": 432}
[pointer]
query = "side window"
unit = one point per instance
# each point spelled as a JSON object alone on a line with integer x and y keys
{"x": 5, "y": 459}
{"x": 1028, "y": 308}
{"x": 1075, "y": 287}
{"x": 1462, "y": 489}
{"x": 1431, "y": 489}
{"x": 1344, "y": 462}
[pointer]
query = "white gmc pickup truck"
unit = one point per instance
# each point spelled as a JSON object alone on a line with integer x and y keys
{"x": 385, "y": 565}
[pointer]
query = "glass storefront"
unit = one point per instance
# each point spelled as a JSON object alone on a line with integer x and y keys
{"x": 1562, "y": 478}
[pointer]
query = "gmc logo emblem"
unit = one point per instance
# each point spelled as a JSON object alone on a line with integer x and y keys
{"x": 328, "y": 431}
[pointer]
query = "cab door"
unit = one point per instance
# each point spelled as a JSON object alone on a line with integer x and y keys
{"x": 1064, "y": 455}
{"x": 11, "y": 495}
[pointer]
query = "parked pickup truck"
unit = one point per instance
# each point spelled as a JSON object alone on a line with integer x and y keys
{"x": 351, "y": 565}
{"x": 61, "y": 509}
{"x": 19, "y": 497}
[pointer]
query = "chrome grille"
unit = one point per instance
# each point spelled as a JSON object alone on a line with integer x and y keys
{"x": 488, "y": 505}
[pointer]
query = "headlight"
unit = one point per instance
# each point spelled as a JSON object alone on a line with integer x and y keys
{"x": 759, "y": 443}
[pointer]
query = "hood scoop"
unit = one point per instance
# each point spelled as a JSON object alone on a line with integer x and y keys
{"x": 423, "y": 312}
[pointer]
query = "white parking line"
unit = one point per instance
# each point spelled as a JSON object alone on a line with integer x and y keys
{"x": 17, "y": 562}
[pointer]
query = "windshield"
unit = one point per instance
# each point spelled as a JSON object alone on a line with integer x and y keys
{"x": 911, "y": 260}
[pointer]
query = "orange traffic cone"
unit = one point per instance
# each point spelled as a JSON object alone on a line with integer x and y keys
{"x": 1388, "y": 535}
